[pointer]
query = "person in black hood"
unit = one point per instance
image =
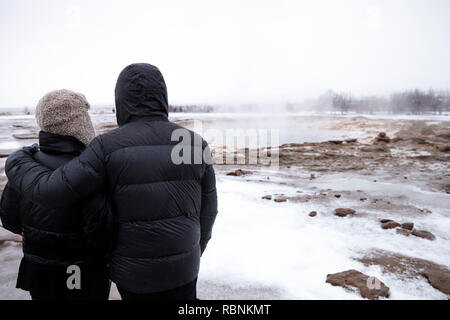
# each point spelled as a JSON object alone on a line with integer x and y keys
{"x": 164, "y": 209}
{"x": 59, "y": 241}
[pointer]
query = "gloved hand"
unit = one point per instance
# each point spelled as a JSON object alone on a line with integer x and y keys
{"x": 31, "y": 149}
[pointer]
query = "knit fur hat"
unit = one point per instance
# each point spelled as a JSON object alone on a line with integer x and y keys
{"x": 65, "y": 112}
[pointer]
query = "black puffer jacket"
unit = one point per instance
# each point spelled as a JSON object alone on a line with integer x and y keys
{"x": 55, "y": 237}
{"x": 164, "y": 211}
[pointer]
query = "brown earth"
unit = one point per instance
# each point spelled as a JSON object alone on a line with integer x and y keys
{"x": 424, "y": 234}
{"x": 409, "y": 268}
{"x": 238, "y": 173}
{"x": 390, "y": 225}
{"x": 369, "y": 287}
{"x": 407, "y": 225}
{"x": 343, "y": 212}
{"x": 403, "y": 232}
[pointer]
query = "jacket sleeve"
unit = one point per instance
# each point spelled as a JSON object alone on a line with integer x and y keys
{"x": 10, "y": 210}
{"x": 98, "y": 222}
{"x": 209, "y": 206}
{"x": 74, "y": 182}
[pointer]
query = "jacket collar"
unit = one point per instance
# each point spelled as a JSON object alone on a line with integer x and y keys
{"x": 59, "y": 144}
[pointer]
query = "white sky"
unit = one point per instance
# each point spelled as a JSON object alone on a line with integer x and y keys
{"x": 224, "y": 51}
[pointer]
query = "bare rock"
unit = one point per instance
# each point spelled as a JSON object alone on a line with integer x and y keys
{"x": 379, "y": 148}
{"x": 410, "y": 268}
{"x": 25, "y": 136}
{"x": 385, "y": 220}
{"x": 445, "y": 148}
{"x": 390, "y": 225}
{"x": 267, "y": 197}
{"x": 438, "y": 278}
{"x": 279, "y": 200}
{"x": 424, "y": 234}
{"x": 369, "y": 287}
{"x": 351, "y": 140}
{"x": 425, "y": 210}
{"x": 382, "y": 137}
{"x": 407, "y": 225}
{"x": 403, "y": 232}
{"x": 336, "y": 141}
{"x": 337, "y": 196}
{"x": 238, "y": 173}
{"x": 313, "y": 214}
{"x": 343, "y": 212}
{"x": 447, "y": 188}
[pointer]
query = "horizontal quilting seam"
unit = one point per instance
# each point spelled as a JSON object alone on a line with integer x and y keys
{"x": 139, "y": 146}
{"x": 152, "y": 182}
{"x": 161, "y": 257}
{"x": 146, "y": 221}
{"x": 57, "y": 233}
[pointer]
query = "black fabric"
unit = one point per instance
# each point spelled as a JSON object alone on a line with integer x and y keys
{"x": 59, "y": 145}
{"x": 140, "y": 91}
{"x": 95, "y": 283}
{"x": 55, "y": 237}
{"x": 184, "y": 292}
{"x": 164, "y": 211}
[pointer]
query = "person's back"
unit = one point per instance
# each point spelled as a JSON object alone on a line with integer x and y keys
{"x": 157, "y": 203}
{"x": 57, "y": 238}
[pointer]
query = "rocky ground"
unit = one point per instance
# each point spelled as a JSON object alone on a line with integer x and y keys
{"x": 372, "y": 199}
{"x": 416, "y": 156}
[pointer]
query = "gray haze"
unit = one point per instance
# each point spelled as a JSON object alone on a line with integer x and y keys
{"x": 224, "y": 52}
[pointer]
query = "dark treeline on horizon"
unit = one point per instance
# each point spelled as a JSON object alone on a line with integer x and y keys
{"x": 191, "y": 108}
{"x": 405, "y": 102}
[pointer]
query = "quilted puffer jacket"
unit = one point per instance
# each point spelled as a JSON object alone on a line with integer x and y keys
{"x": 164, "y": 209}
{"x": 57, "y": 237}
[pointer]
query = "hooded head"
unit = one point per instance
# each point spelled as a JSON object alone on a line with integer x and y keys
{"x": 65, "y": 112}
{"x": 140, "y": 92}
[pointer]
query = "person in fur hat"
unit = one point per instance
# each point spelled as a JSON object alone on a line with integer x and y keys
{"x": 64, "y": 248}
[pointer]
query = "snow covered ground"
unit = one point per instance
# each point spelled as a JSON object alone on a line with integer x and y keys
{"x": 263, "y": 243}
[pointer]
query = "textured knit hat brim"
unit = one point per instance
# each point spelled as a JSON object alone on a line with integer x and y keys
{"x": 66, "y": 113}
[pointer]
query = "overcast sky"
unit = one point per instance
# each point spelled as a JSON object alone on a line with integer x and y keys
{"x": 226, "y": 51}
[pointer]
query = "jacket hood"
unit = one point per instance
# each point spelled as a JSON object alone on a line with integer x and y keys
{"x": 140, "y": 92}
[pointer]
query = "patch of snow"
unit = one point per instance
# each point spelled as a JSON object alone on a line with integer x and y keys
{"x": 278, "y": 244}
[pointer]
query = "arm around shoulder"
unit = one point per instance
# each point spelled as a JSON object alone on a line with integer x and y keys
{"x": 75, "y": 181}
